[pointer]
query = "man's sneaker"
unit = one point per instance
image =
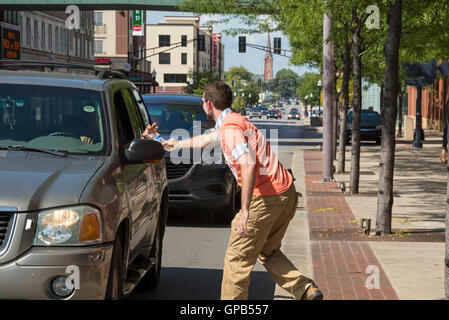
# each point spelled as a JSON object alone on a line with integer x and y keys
{"x": 312, "y": 293}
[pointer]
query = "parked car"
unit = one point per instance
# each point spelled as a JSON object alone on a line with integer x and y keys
{"x": 193, "y": 185}
{"x": 294, "y": 114}
{"x": 276, "y": 114}
{"x": 370, "y": 127}
{"x": 83, "y": 200}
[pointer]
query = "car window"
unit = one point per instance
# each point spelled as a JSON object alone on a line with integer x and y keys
{"x": 134, "y": 114}
{"x": 52, "y": 118}
{"x": 126, "y": 131}
{"x": 172, "y": 116}
{"x": 141, "y": 105}
{"x": 367, "y": 117}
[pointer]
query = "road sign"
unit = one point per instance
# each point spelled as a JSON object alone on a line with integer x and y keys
{"x": 138, "y": 25}
{"x": 10, "y": 44}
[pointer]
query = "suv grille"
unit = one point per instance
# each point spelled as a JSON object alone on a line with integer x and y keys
{"x": 175, "y": 171}
{"x": 5, "y": 224}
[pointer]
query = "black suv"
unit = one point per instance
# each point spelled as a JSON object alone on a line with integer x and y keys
{"x": 370, "y": 126}
{"x": 196, "y": 180}
{"x": 83, "y": 200}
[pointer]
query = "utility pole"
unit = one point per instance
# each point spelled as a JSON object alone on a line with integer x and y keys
{"x": 328, "y": 101}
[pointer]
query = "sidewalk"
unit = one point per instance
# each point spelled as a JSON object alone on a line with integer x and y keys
{"x": 325, "y": 240}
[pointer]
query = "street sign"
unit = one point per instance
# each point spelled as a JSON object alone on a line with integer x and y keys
{"x": 138, "y": 25}
{"x": 10, "y": 44}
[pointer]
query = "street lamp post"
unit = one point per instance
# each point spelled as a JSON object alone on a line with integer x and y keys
{"x": 153, "y": 74}
{"x": 320, "y": 85}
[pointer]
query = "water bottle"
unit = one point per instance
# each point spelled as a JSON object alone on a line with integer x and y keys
{"x": 155, "y": 137}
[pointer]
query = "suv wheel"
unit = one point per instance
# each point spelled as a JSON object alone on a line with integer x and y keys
{"x": 151, "y": 279}
{"x": 225, "y": 216}
{"x": 114, "y": 289}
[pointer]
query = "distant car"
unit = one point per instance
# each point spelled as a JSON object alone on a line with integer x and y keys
{"x": 294, "y": 115}
{"x": 276, "y": 114}
{"x": 254, "y": 112}
{"x": 294, "y": 110}
{"x": 193, "y": 185}
{"x": 370, "y": 127}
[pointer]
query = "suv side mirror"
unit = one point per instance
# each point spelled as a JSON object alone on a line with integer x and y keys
{"x": 141, "y": 150}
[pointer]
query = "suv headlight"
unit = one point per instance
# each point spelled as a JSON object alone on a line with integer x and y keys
{"x": 80, "y": 225}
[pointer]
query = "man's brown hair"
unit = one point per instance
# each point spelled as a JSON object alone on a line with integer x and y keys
{"x": 219, "y": 94}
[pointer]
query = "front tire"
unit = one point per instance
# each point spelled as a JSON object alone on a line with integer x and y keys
{"x": 151, "y": 280}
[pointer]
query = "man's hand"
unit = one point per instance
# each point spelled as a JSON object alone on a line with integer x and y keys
{"x": 241, "y": 224}
{"x": 150, "y": 130}
{"x": 86, "y": 140}
{"x": 170, "y": 145}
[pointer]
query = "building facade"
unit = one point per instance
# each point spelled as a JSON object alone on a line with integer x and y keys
{"x": 116, "y": 48}
{"x": 433, "y": 101}
{"x": 42, "y": 36}
{"x": 179, "y": 47}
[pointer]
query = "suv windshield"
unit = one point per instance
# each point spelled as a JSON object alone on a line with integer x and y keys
{"x": 367, "y": 117}
{"x": 172, "y": 116}
{"x": 52, "y": 118}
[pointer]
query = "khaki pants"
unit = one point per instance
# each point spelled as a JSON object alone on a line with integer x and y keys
{"x": 267, "y": 223}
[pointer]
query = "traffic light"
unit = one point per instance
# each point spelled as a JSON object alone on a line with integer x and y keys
{"x": 277, "y": 46}
{"x": 294, "y": 83}
{"x": 259, "y": 82}
{"x": 242, "y": 44}
{"x": 232, "y": 83}
{"x": 276, "y": 82}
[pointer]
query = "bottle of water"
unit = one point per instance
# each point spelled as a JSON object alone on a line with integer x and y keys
{"x": 153, "y": 136}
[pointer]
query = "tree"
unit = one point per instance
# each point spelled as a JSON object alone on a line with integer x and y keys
{"x": 285, "y": 77}
{"x": 306, "y": 85}
{"x": 238, "y": 73}
{"x": 238, "y": 103}
{"x": 200, "y": 80}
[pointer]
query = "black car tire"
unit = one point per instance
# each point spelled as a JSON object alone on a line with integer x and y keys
{"x": 114, "y": 289}
{"x": 151, "y": 279}
{"x": 225, "y": 216}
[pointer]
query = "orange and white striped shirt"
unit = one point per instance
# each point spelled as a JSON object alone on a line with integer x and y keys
{"x": 238, "y": 136}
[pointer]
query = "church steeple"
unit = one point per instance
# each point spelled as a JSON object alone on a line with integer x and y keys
{"x": 268, "y": 65}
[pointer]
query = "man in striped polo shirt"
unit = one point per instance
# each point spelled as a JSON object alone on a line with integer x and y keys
{"x": 269, "y": 200}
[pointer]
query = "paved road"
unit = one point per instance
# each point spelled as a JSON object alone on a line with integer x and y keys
{"x": 194, "y": 247}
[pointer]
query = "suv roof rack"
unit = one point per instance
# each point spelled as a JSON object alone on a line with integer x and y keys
{"x": 100, "y": 72}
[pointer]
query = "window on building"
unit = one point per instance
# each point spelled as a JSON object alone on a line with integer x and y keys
{"x": 98, "y": 46}
{"x": 28, "y": 32}
{"x": 50, "y": 37}
{"x": 183, "y": 41}
{"x": 202, "y": 43}
{"x": 36, "y": 34}
{"x": 164, "y": 58}
{"x": 43, "y": 36}
{"x": 57, "y": 39}
{"x": 183, "y": 58}
{"x": 164, "y": 40}
{"x": 98, "y": 18}
{"x": 61, "y": 40}
{"x": 175, "y": 78}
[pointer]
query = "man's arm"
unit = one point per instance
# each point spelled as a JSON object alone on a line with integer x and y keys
{"x": 197, "y": 142}
{"x": 248, "y": 173}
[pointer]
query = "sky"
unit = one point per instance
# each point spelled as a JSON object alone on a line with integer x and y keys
{"x": 253, "y": 59}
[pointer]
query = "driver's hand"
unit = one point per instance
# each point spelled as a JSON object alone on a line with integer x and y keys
{"x": 86, "y": 140}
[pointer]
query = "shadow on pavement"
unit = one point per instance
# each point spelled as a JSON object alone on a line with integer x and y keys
{"x": 203, "y": 284}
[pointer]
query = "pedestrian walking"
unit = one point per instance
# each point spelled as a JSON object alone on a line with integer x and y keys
{"x": 269, "y": 200}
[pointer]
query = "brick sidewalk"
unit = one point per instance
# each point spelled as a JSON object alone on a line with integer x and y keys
{"x": 339, "y": 265}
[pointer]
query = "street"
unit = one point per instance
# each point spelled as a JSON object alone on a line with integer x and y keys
{"x": 194, "y": 247}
